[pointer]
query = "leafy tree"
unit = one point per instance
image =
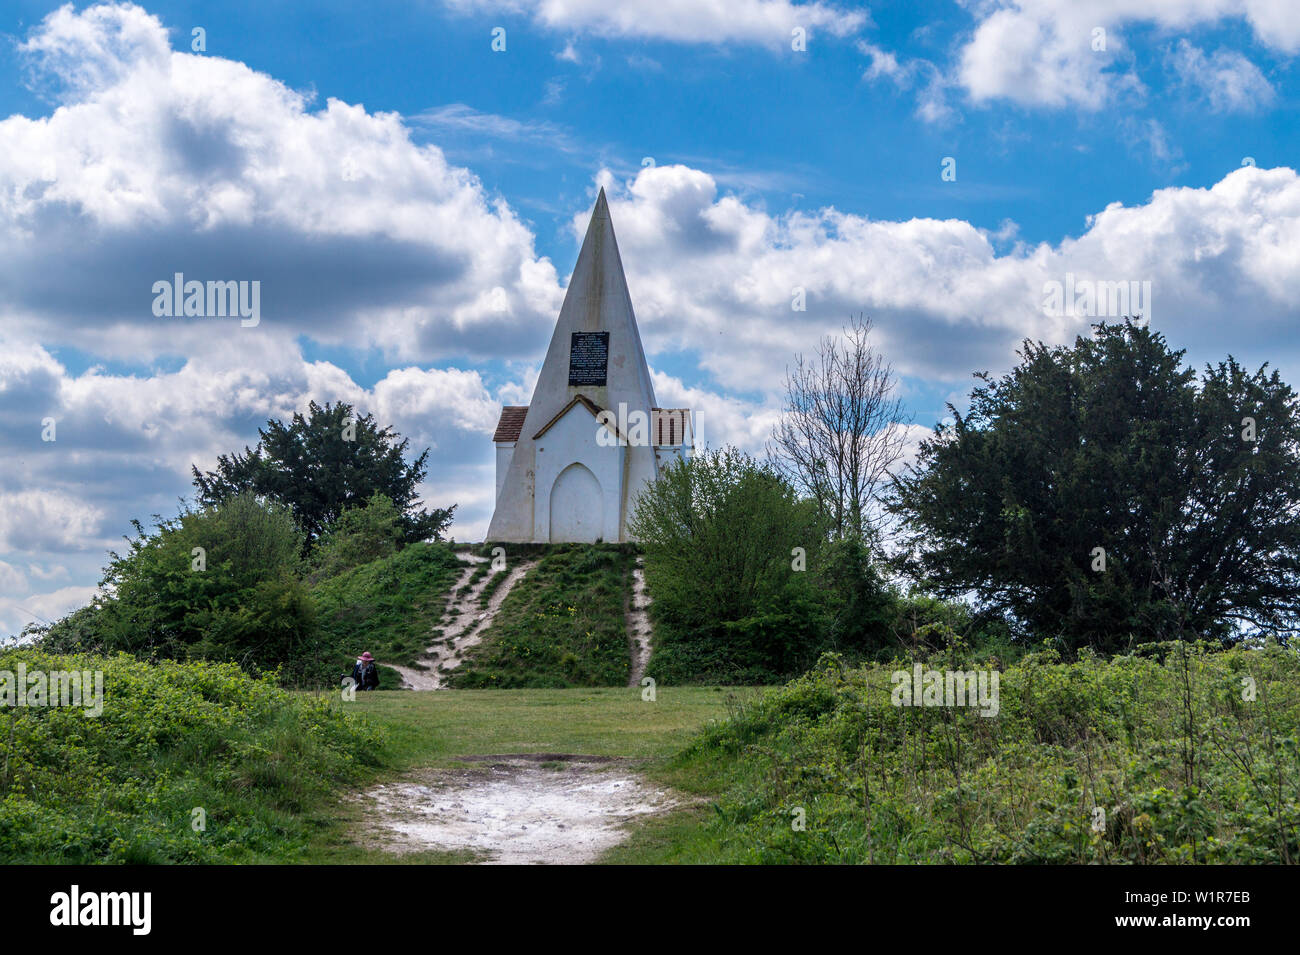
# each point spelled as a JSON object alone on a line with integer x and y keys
{"x": 718, "y": 533}
{"x": 862, "y": 609}
{"x": 1114, "y": 444}
{"x": 220, "y": 583}
{"x": 321, "y": 465}
{"x": 359, "y": 536}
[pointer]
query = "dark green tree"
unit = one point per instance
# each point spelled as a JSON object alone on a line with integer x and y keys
{"x": 322, "y": 464}
{"x": 1190, "y": 487}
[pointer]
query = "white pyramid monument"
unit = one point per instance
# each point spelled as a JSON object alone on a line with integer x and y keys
{"x": 571, "y": 464}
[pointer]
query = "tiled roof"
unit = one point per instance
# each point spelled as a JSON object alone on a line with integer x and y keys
{"x": 510, "y": 424}
{"x": 670, "y": 426}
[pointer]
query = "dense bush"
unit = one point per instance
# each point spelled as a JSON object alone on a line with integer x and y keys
{"x": 218, "y": 583}
{"x": 359, "y": 535}
{"x": 1183, "y": 768}
{"x": 122, "y": 787}
{"x": 733, "y": 600}
{"x": 748, "y": 588}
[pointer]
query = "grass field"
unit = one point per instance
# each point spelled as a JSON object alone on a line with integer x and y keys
{"x": 1186, "y": 766}
{"x": 430, "y": 730}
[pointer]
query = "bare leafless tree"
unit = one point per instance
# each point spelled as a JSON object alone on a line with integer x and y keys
{"x": 841, "y": 429}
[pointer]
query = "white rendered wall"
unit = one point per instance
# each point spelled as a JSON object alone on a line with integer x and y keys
{"x": 572, "y": 440}
{"x": 505, "y": 451}
{"x": 597, "y": 299}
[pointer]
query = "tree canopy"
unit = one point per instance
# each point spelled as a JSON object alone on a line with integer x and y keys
{"x": 1104, "y": 494}
{"x": 321, "y": 465}
{"x": 217, "y": 583}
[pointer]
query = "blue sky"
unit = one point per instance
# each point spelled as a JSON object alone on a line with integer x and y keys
{"x": 412, "y": 201}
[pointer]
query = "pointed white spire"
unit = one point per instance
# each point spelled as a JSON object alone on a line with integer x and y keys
{"x": 598, "y": 300}
{"x": 597, "y": 347}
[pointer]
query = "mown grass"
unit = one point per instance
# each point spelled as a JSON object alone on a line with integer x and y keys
{"x": 430, "y": 730}
{"x": 562, "y": 625}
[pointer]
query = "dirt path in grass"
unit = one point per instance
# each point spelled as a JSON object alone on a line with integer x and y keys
{"x": 639, "y": 631}
{"x": 463, "y": 624}
{"x": 517, "y": 809}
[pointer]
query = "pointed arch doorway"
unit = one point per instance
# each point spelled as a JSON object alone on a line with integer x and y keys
{"x": 577, "y": 507}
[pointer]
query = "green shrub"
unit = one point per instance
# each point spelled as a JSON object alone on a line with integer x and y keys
{"x": 172, "y": 738}
{"x": 220, "y": 583}
{"x": 730, "y": 605}
{"x": 1181, "y": 767}
{"x": 359, "y": 536}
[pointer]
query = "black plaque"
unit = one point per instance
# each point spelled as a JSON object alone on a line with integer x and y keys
{"x": 588, "y": 358}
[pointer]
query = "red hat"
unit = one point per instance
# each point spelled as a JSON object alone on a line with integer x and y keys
{"x": 366, "y": 656}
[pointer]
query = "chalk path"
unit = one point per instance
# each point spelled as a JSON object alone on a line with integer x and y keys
{"x": 464, "y": 623}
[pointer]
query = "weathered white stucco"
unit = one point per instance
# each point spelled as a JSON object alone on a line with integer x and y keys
{"x": 505, "y": 451}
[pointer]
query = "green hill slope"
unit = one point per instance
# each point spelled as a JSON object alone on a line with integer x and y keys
{"x": 389, "y": 607}
{"x": 1131, "y": 760}
{"x": 562, "y": 625}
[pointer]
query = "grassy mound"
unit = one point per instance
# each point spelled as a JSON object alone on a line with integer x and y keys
{"x": 172, "y": 738}
{"x": 389, "y": 607}
{"x": 1155, "y": 758}
{"x": 561, "y": 626}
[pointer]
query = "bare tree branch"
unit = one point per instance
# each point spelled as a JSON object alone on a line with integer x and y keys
{"x": 842, "y": 428}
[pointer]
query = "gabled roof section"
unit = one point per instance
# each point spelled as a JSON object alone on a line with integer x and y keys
{"x": 583, "y": 400}
{"x": 510, "y": 424}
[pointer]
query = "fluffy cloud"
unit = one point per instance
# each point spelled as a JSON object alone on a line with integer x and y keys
{"x": 12, "y": 580}
{"x": 720, "y": 419}
{"x": 42, "y": 607}
{"x": 766, "y": 22}
{"x": 1043, "y": 52}
{"x": 1228, "y": 81}
{"x": 161, "y": 161}
{"x": 32, "y": 520}
{"x": 716, "y": 277}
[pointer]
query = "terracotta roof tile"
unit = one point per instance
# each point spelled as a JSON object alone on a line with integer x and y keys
{"x": 510, "y": 424}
